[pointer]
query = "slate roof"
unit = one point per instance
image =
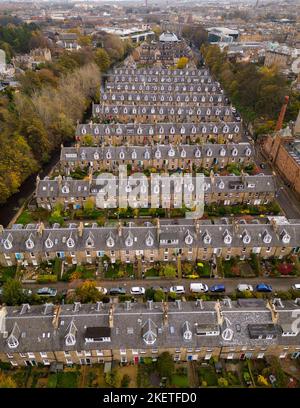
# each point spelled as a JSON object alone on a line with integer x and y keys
{"x": 159, "y": 79}
{"x": 37, "y": 333}
{"x": 210, "y": 88}
{"x": 68, "y": 187}
{"x": 150, "y": 129}
{"x": 160, "y": 71}
{"x": 157, "y": 97}
{"x": 148, "y": 152}
{"x": 207, "y": 111}
{"x": 202, "y": 234}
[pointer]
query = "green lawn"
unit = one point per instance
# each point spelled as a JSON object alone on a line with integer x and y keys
{"x": 7, "y": 272}
{"x": 63, "y": 380}
{"x": 25, "y": 218}
{"x": 208, "y": 375}
{"x": 180, "y": 381}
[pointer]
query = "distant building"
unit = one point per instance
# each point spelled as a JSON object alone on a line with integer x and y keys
{"x": 135, "y": 34}
{"x": 68, "y": 41}
{"x": 222, "y": 34}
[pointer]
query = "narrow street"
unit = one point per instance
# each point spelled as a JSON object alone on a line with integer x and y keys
{"x": 278, "y": 284}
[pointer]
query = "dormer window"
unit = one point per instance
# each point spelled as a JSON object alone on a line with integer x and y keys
{"x": 234, "y": 152}
{"x": 182, "y": 130}
{"x": 197, "y": 152}
{"x": 161, "y": 130}
{"x": 209, "y": 152}
{"x": 119, "y": 131}
{"x": 122, "y": 155}
{"x": 96, "y": 156}
{"x": 110, "y": 242}
{"x": 206, "y": 186}
{"x": 222, "y": 152}
{"x": 248, "y": 151}
{"x": 48, "y": 243}
{"x": 267, "y": 237}
{"x": 96, "y": 130}
{"x": 139, "y": 130}
{"x": 171, "y": 152}
{"x": 172, "y": 130}
{"x": 188, "y": 239}
{"x": 107, "y": 131}
{"x": 147, "y": 155}
{"x": 203, "y": 99}
{"x": 133, "y": 155}
{"x": 157, "y": 154}
{"x": 285, "y": 237}
{"x": 8, "y": 242}
{"x": 225, "y": 129}
{"x": 156, "y": 189}
{"x": 183, "y": 153}
{"x": 29, "y": 243}
{"x": 83, "y": 155}
{"x": 194, "y": 129}
{"x": 246, "y": 237}
{"x": 204, "y": 129}
{"x": 151, "y": 131}
{"x": 65, "y": 189}
{"x": 215, "y": 129}
{"x": 90, "y": 241}
{"x": 236, "y": 129}
{"x": 206, "y": 238}
{"x": 227, "y": 238}
{"x": 70, "y": 242}
{"x": 108, "y": 155}
{"x": 221, "y": 185}
{"x": 208, "y": 112}
{"x": 83, "y": 131}
{"x": 129, "y": 240}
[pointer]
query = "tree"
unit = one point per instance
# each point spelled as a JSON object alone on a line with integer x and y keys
{"x": 102, "y": 59}
{"x": 261, "y": 380}
{"x": 7, "y": 381}
{"x": 89, "y": 206}
{"x": 149, "y": 294}
{"x": 88, "y": 293}
{"x": 169, "y": 271}
{"x": 125, "y": 381}
{"x": 182, "y": 62}
{"x": 165, "y": 365}
{"x": 159, "y": 296}
{"x": 12, "y": 292}
{"x": 56, "y": 216}
{"x": 113, "y": 378}
{"x": 222, "y": 382}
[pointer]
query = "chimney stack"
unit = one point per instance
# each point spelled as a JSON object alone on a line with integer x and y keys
{"x": 56, "y": 315}
{"x": 111, "y": 316}
{"x": 80, "y": 229}
{"x": 282, "y": 114}
{"x": 165, "y": 314}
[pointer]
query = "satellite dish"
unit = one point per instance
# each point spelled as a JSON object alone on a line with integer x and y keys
{"x": 296, "y": 66}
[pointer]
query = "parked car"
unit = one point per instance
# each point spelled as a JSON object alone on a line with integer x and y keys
{"x": 27, "y": 292}
{"x": 137, "y": 290}
{"x": 198, "y": 287}
{"x": 242, "y": 287}
{"x": 263, "y": 287}
{"x": 102, "y": 290}
{"x": 117, "y": 291}
{"x": 217, "y": 288}
{"x": 177, "y": 289}
{"x": 296, "y": 286}
{"x": 46, "y": 292}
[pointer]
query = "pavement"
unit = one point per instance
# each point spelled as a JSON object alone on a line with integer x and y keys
{"x": 278, "y": 284}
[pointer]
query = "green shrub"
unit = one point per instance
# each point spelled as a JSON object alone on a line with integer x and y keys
{"x": 46, "y": 279}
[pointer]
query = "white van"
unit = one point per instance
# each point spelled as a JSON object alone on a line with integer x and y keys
{"x": 198, "y": 288}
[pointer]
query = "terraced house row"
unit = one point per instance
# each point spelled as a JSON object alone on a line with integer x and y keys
{"x": 166, "y": 113}
{"x": 168, "y": 241}
{"x": 129, "y": 332}
{"x": 209, "y": 88}
{"x": 160, "y": 191}
{"x": 181, "y": 99}
{"x": 165, "y": 157}
{"x": 149, "y": 133}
